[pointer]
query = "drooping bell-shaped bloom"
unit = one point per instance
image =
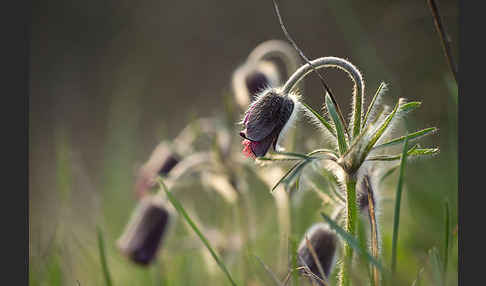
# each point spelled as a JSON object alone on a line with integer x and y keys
{"x": 144, "y": 233}
{"x": 324, "y": 242}
{"x": 253, "y": 77}
{"x": 266, "y": 122}
{"x": 162, "y": 160}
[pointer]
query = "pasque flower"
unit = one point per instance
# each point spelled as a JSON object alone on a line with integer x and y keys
{"x": 253, "y": 77}
{"x": 266, "y": 122}
{"x": 324, "y": 243}
{"x": 259, "y": 79}
{"x": 357, "y": 145}
{"x": 145, "y": 231}
{"x": 265, "y": 67}
{"x": 161, "y": 162}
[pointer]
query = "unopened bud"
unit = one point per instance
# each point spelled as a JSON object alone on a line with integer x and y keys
{"x": 145, "y": 231}
{"x": 161, "y": 162}
{"x": 324, "y": 243}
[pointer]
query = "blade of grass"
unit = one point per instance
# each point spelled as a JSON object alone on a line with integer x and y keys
{"x": 177, "y": 205}
{"x": 446, "y": 238}
{"x": 444, "y": 37}
{"x": 396, "y": 220}
{"x": 104, "y": 264}
{"x": 301, "y": 54}
{"x": 352, "y": 242}
{"x": 321, "y": 119}
{"x": 343, "y": 146}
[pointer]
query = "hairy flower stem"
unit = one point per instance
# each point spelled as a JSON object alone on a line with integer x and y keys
{"x": 353, "y": 72}
{"x": 351, "y": 218}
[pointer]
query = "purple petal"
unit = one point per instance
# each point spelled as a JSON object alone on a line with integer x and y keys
{"x": 269, "y": 113}
{"x": 260, "y": 148}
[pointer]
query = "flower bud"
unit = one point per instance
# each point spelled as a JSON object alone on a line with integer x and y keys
{"x": 324, "y": 242}
{"x": 145, "y": 231}
{"x": 266, "y": 122}
{"x": 161, "y": 162}
{"x": 253, "y": 77}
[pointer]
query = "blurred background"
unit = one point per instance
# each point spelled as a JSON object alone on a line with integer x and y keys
{"x": 111, "y": 79}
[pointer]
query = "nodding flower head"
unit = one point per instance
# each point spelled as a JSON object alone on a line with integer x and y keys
{"x": 266, "y": 122}
{"x": 161, "y": 162}
{"x": 324, "y": 242}
{"x": 145, "y": 231}
{"x": 253, "y": 77}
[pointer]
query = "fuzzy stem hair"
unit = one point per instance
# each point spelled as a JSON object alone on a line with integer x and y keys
{"x": 350, "y": 69}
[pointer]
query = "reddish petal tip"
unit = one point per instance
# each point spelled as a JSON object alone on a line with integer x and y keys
{"x": 247, "y": 150}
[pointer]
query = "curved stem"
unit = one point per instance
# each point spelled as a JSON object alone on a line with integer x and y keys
{"x": 350, "y": 69}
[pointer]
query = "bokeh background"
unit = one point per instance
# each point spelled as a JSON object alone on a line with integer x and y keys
{"x": 111, "y": 79}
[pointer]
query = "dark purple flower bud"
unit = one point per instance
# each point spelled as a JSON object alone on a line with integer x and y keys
{"x": 256, "y": 81}
{"x": 266, "y": 122}
{"x": 252, "y": 78}
{"x": 161, "y": 162}
{"x": 324, "y": 242}
{"x": 169, "y": 164}
{"x": 145, "y": 231}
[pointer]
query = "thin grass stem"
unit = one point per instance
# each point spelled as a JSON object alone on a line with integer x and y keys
{"x": 446, "y": 237}
{"x": 301, "y": 54}
{"x": 104, "y": 263}
{"x": 177, "y": 205}
{"x": 396, "y": 220}
{"x": 444, "y": 37}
